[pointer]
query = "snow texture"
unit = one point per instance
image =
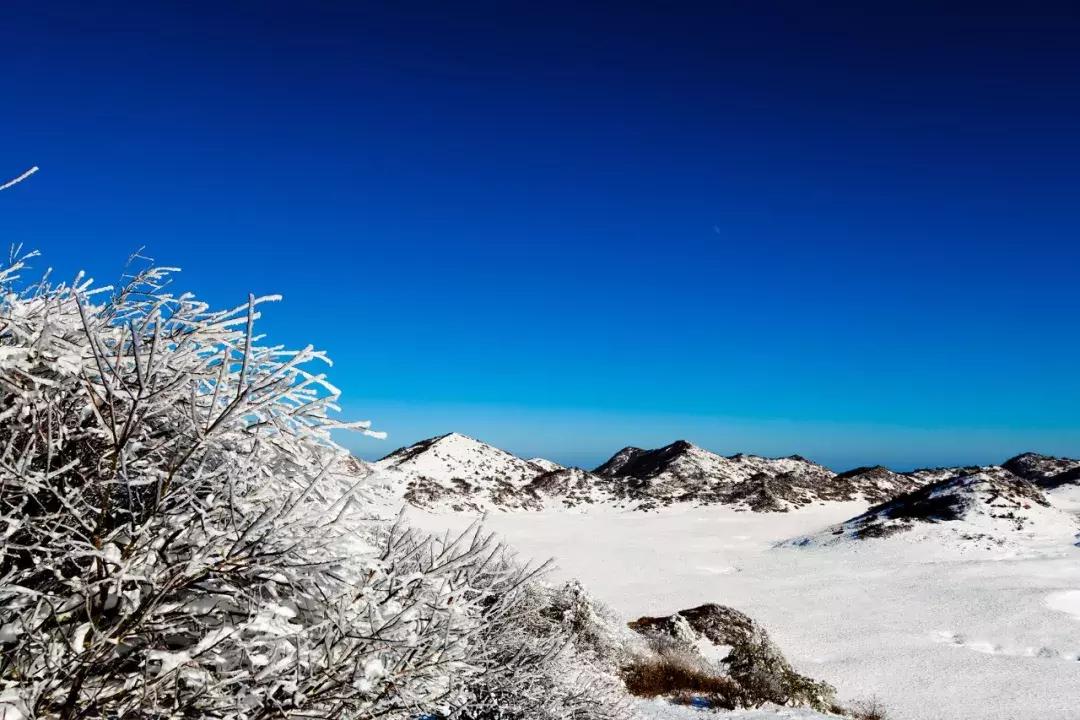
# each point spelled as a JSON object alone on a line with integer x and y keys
{"x": 976, "y": 631}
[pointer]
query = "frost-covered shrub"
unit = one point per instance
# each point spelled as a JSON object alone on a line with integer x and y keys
{"x": 555, "y": 656}
{"x": 181, "y": 537}
{"x": 871, "y": 709}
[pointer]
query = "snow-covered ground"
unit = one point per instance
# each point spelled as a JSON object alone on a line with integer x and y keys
{"x": 933, "y": 630}
{"x": 660, "y": 710}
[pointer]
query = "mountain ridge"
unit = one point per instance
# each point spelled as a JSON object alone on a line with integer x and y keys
{"x": 457, "y": 472}
{"x": 990, "y": 507}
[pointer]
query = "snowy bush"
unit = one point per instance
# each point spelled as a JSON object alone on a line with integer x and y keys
{"x": 871, "y": 709}
{"x": 557, "y": 655}
{"x": 181, "y": 536}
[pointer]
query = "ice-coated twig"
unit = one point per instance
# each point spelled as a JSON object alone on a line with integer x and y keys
{"x": 19, "y": 179}
{"x": 181, "y": 536}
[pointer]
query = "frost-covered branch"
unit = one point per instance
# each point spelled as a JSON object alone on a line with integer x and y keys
{"x": 19, "y": 179}
{"x": 181, "y": 536}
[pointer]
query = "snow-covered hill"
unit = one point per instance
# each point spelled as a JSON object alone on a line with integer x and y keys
{"x": 682, "y": 472}
{"x": 1044, "y": 470}
{"x": 461, "y": 473}
{"x": 877, "y": 483}
{"x": 990, "y": 507}
{"x": 457, "y": 472}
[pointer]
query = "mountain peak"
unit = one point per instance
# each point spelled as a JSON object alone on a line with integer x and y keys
{"x": 461, "y": 470}
{"x": 618, "y": 461}
{"x": 642, "y": 464}
{"x": 456, "y": 437}
{"x": 1040, "y": 469}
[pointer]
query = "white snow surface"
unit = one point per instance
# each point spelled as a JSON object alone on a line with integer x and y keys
{"x": 1066, "y": 601}
{"x": 934, "y": 629}
{"x": 661, "y": 710}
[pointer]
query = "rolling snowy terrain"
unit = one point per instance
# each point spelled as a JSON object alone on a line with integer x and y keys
{"x": 956, "y": 596}
{"x": 456, "y": 472}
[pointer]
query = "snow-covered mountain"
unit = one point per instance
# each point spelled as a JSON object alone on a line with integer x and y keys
{"x": 683, "y": 472}
{"x": 988, "y": 507}
{"x": 461, "y": 473}
{"x": 1044, "y": 470}
{"x": 457, "y": 472}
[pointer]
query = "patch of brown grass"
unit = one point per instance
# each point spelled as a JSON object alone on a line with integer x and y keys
{"x": 681, "y": 679}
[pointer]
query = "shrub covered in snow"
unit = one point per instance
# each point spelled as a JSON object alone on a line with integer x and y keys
{"x": 181, "y": 537}
{"x": 557, "y": 655}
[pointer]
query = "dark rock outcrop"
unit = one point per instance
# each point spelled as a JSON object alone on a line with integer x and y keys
{"x": 1043, "y": 470}
{"x": 571, "y": 487}
{"x": 753, "y": 661}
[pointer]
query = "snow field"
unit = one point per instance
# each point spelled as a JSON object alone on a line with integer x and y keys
{"x": 934, "y": 630}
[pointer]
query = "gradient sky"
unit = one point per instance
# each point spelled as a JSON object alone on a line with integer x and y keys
{"x": 846, "y": 232}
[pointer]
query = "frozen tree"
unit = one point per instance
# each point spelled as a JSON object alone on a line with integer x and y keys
{"x": 182, "y": 537}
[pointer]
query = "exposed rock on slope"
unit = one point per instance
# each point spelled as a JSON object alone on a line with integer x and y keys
{"x": 457, "y": 472}
{"x": 926, "y": 476}
{"x": 747, "y": 654}
{"x": 1069, "y": 477}
{"x": 1044, "y": 470}
{"x": 616, "y": 464}
{"x": 570, "y": 487}
{"x": 719, "y": 624}
{"x": 546, "y": 465}
{"x": 877, "y": 483}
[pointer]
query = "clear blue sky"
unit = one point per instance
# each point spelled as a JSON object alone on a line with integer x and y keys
{"x": 843, "y": 232}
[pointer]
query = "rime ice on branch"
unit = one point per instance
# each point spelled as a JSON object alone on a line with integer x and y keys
{"x": 181, "y": 535}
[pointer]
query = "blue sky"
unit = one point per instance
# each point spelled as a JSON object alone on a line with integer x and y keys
{"x": 567, "y": 228}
